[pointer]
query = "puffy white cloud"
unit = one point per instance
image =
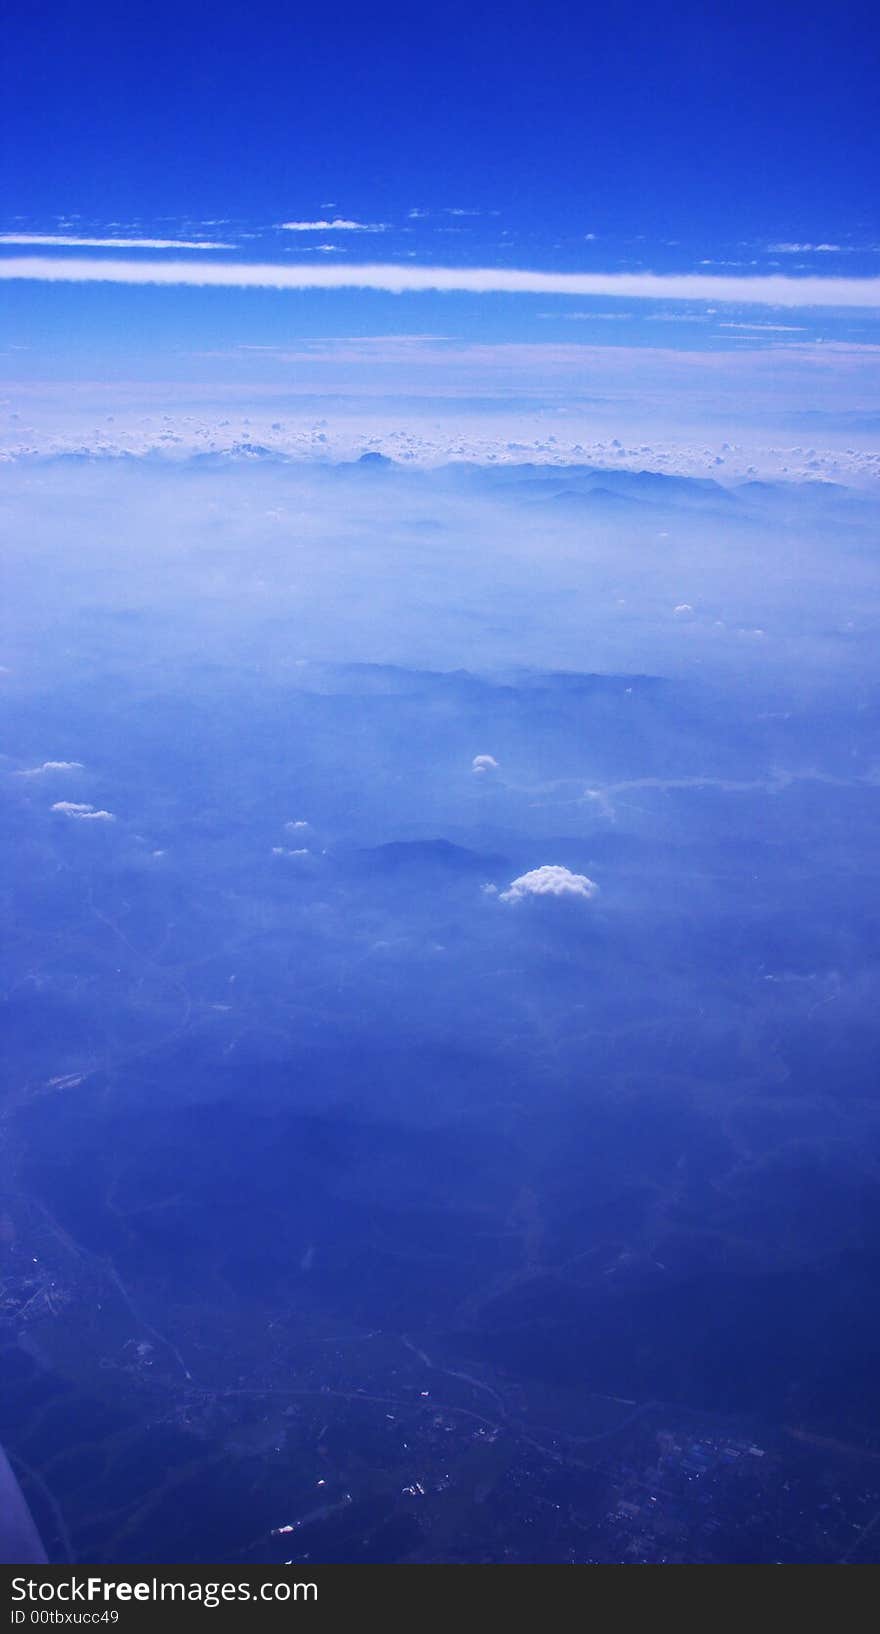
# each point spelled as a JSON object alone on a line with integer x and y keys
{"x": 550, "y": 880}
{"x": 484, "y": 763}
{"x": 773, "y": 289}
{"x": 85, "y": 813}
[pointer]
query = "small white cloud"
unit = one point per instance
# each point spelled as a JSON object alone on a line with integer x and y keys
{"x": 52, "y": 766}
{"x": 550, "y": 880}
{"x": 296, "y": 826}
{"x": 85, "y": 813}
{"x": 484, "y": 763}
{"x": 683, "y": 609}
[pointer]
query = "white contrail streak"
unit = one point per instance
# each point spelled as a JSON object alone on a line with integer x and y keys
{"x": 774, "y": 290}
{"x": 73, "y": 241}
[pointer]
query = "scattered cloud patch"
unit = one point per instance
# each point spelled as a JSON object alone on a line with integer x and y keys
{"x": 481, "y": 764}
{"x": 338, "y": 225}
{"x": 587, "y": 317}
{"x": 803, "y": 249}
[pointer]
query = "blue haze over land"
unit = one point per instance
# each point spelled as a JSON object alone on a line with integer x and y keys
{"x": 440, "y": 783}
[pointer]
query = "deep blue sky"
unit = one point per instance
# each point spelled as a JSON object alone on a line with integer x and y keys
{"x": 668, "y": 121}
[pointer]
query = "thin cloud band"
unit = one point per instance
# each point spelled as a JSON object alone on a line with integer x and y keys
{"x": 774, "y": 290}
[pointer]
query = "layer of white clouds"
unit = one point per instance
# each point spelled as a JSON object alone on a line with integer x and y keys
{"x": 553, "y": 881}
{"x": 60, "y": 421}
{"x": 772, "y": 290}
